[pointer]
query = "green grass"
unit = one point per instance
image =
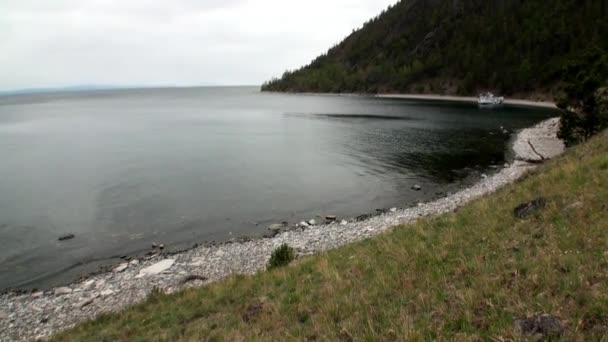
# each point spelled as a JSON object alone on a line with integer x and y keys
{"x": 461, "y": 276}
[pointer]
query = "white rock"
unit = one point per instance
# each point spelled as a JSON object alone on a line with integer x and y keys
{"x": 84, "y": 303}
{"x": 62, "y": 290}
{"x": 106, "y": 293}
{"x": 197, "y": 262}
{"x": 134, "y": 262}
{"x": 121, "y": 268}
{"x": 416, "y": 187}
{"x": 88, "y": 284}
{"x": 276, "y": 227}
{"x": 304, "y": 224}
{"x": 393, "y": 210}
{"x": 157, "y": 268}
{"x": 312, "y": 222}
{"x": 343, "y": 222}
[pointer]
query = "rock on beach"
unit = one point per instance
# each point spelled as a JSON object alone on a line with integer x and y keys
{"x": 157, "y": 268}
{"x": 121, "y": 267}
{"x": 62, "y": 290}
{"x": 66, "y": 237}
{"x": 275, "y": 227}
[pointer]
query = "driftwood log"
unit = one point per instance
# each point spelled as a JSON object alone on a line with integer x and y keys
{"x": 535, "y": 151}
{"x": 533, "y": 161}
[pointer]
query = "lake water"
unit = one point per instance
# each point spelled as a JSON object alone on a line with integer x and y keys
{"x": 123, "y": 169}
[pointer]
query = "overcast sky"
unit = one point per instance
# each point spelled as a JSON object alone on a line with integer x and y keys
{"x": 50, "y": 43}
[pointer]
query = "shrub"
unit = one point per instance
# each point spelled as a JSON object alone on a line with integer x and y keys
{"x": 583, "y": 103}
{"x": 281, "y": 256}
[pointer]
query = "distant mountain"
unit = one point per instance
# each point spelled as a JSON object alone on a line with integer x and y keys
{"x": 84, "y": 87}
{"x": 457, "y": 47}
{"x": 92, "y": 87}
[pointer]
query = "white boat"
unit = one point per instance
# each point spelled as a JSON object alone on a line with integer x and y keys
{"x": 488, "y": 100}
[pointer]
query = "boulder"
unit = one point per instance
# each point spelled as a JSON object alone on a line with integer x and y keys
{"x": 304, "y": 224}
{"x": 416, "y": 187}
{"x": 106, "y": 293}
{"x": 88, "y": 284}
{"x": 363, "y": 217}
{"x": 542, "y": 326}
{"x": 62, "y": 290}
{"x": 121, "y": 268}
{"x": 331, "y": 218}
{"x": 343, "y": 223}
{"x": 276, "y": 227}
{"x": 157, "y": 268}
{"x": 393, "y": 210}
{"x": 525, "y": 209}
{"x": 134, "y": 262}
{"x": 66, "y": 237}
{"x": 312, "y": 222}
{"x": 84, "y": 303}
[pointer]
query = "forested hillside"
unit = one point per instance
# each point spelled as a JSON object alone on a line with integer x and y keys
{"x": 457, "y": 47}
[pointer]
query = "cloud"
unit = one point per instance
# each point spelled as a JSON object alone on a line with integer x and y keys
{"x": 180, "y": 42}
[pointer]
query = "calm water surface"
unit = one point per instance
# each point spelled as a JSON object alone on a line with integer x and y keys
{"x": 123, "y": 169}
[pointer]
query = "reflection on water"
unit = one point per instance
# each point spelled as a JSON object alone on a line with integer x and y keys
{"x": 123, "y": 169}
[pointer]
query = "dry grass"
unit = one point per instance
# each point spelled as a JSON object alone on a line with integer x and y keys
{"x": 461, "y": 276}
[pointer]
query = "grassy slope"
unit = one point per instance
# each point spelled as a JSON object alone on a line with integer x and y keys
{"x": 463, "y": 275}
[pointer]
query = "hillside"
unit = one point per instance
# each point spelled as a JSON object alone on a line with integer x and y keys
{"x": 457, "y": 47}
{"x": 466, "y": 275}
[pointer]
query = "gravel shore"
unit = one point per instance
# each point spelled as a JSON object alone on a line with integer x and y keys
{"x": 39, "y": 315}
{"x": 465, "y": 99}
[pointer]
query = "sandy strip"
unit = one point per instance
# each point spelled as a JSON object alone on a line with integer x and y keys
{"x": 465, "y": 99}
{"x": 39, "y": 315}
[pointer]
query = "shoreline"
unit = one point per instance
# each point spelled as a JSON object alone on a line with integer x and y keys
{"x": 41, "y": 314}
{"x": 467, "y": 99}
{"x": 514, "y": 102}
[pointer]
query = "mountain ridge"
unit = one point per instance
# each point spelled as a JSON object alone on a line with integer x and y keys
{"x": 456, "y": 47}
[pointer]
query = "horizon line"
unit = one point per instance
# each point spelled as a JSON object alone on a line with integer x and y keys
{"x": 95, "y": 87}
